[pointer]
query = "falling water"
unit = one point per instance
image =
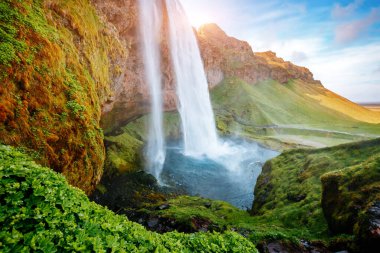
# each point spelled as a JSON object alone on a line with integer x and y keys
{"x": 151, "y": 19}
{"x": 221, "y": 169}
{"x": 194, "y": 106}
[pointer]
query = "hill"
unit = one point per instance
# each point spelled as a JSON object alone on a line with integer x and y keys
{"x": 293, "y": 112}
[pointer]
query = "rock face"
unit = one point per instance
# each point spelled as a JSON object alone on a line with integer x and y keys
{"x": 58, "y": 67}
{"x": 226, "y": 56}
{"x": 131, "y": 99}
{"x": 351, "y": 202}
{"x": 368, "y": 230}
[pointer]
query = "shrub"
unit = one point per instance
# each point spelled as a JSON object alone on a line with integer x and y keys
{"x": 41, "y": 212}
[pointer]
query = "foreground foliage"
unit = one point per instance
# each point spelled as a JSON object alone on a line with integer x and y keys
{"x": 41, "y": 212}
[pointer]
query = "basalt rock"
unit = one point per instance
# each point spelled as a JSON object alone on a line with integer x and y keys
{"x": 368, "y": 229}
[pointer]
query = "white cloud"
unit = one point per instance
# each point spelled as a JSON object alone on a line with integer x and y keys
{"x": 347, "y": 72}
{"x": 298, "y": 56}
{"x": 351, "y": 31}
{"x": 345, "y": 11}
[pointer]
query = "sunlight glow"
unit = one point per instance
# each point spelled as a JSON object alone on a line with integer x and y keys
{"x": 200, "y": 16}
{"x": 198, "y": 19}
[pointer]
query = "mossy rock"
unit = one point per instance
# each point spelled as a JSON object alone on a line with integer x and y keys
{"x": 56, "y": 71}
{"x": 349, "y": 193}
{"x": 367, "y": 230}
{"x": 289, "y": 190}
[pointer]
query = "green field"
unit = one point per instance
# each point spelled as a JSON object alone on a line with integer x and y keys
{"x": 290, "y": 113}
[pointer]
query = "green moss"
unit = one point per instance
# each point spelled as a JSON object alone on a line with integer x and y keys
{"x": 289, "y": 190}
{"x": 9, "y": 43}
{"x": 221, "y": 216}
{"x": 125, "y": 146}
{"x": 41, "y": 212}
{"x": 349, "y": 192}
{"x": 123, "y": 153}
{"x": 56, "y": 72}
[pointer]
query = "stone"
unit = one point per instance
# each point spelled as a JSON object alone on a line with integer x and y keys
{"x": 208, "y": 205}
{"x": 164, "y": 207}
{"x": 152, "y": 223}
{"x": 368, "y": 232}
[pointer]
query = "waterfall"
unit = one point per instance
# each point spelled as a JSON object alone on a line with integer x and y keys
{"x": 151, "y": 21}
{"x": 197, "y": 118}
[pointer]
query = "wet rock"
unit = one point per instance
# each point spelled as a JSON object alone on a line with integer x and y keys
{"x": 208, "y": 205}
{"x": 152, "y": 223}
{"x": 202, "y": 230}
{"x": 163, "y": 207}
{"x": 288, "y": 247}
{"x": 296, "y": 197}
{"x": 368, "y": 232}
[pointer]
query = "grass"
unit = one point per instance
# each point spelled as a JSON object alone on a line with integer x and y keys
{"x": 289, "y": 191}
{"x": 41, "y": 212}
{"x": 288, "y": 112}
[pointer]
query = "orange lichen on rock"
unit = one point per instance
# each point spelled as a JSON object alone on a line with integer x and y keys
{"x": 51, "y": 95}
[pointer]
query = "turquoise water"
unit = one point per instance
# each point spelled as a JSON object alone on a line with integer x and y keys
{"x": 230, "y": 177}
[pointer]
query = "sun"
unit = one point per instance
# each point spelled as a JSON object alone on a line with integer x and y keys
{"x": 199, "y": 16}
{"x": 197, "y": 20}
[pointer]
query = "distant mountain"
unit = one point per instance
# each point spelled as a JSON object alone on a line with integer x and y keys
{"x": 226, "y": 56}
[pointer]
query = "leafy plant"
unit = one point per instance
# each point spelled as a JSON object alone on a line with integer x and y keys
{"x": 41, "y": 212}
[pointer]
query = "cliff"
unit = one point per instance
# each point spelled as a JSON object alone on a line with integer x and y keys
{"x": 226, "y": 56}
{"x": 59, "y": 64}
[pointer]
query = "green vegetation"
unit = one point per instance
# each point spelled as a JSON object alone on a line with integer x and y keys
{"x": 289, "y": 190}
{"x": 288, "y": 198}
{"x": 55, "y": 72}
{"x": 270, "y": 112}
{"x": 41, "y": 212}
{"x": 349, "y": 193}
{"x": 220, "y": 216}
{"x": 125, "y": 147}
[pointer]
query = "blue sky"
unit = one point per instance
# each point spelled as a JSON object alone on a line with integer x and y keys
{"x": 339, "y": 41}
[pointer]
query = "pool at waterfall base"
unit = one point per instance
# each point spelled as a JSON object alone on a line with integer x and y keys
{"x": 230, "y": 176}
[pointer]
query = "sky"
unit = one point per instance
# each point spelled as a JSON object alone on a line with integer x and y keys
{"x": 339, "y": 41}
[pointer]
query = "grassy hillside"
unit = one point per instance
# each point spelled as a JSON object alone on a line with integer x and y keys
{"x": 41, "y": 212}
{"x": 289, "y": 190}
{"x": 294, "y": 112}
